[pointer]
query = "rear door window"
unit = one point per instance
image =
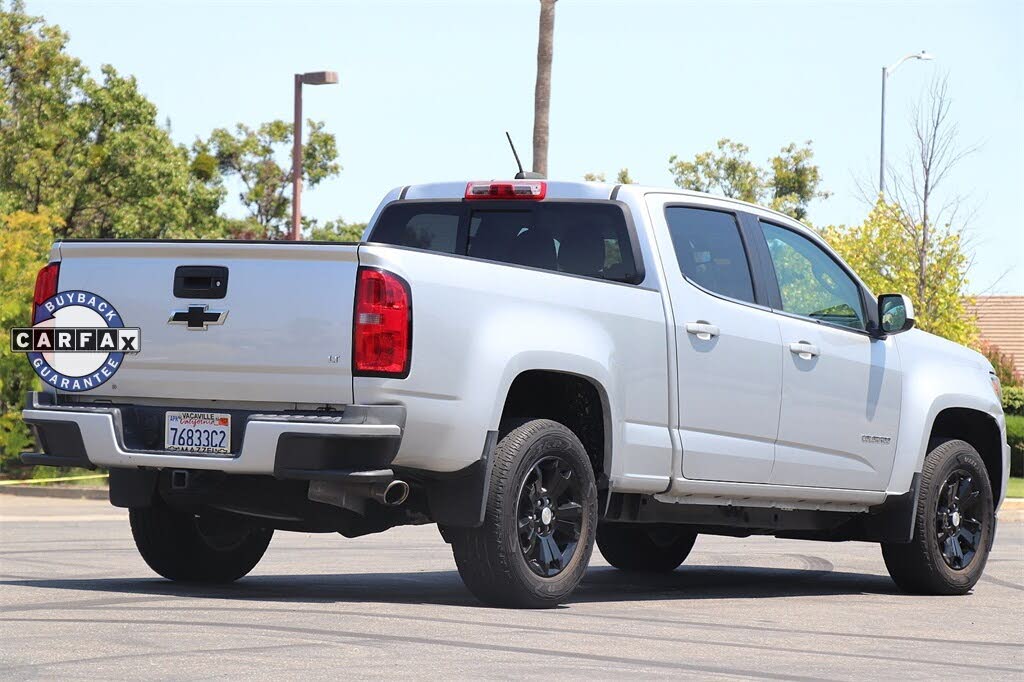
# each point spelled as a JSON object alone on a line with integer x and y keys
{"x": 710, "y": 251}
{"x": 434, "y": 227}
{"x": 588, "y": 239}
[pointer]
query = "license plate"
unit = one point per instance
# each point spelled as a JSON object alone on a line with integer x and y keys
{"x": 203, "y": 432}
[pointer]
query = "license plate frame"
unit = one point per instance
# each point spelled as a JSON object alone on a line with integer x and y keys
{"x": 198, "y": 433}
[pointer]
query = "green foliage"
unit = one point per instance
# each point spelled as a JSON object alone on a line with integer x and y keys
{"x": 91, "y": 152}
{"x": 1002, "y": 363}
{"x": 206, "y": 194}
{"x": 1013, "y": 400}
{"x": 787, "y": 184}
{"x": 24, "y": 241}
{"x": 259, "y": 160}
{"x": 882, "y": 251}
{"x": 794, "y": 180}
{"x": 1015, "y": 487}
{"x": 1015, "y": 437}
{"x": 622, "y": 177}
{"x": 43, "y": 473}
{"x": 333, "y": 230}
{"x": 728, "y": 172}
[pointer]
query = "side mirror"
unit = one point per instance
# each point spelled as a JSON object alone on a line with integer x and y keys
{"x": 895, "y": 313}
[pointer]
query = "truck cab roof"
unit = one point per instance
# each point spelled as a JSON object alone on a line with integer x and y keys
{"x": 571, "y": 189}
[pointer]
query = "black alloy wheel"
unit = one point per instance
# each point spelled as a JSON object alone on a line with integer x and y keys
{"x": 957, "y": 523}
{"x": 550, "y": 516}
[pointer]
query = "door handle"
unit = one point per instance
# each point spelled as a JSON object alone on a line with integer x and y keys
{"x": 702, "y": 330}
{"x": 805, "y": 350}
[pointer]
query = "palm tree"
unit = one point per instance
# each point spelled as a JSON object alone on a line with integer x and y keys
{"x": 542, "y": 93}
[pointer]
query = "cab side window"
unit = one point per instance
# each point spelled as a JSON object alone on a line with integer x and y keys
{"x": 710, "y": 251}
{"x": 811, "y": 282}
{"x": 432, "y": 227}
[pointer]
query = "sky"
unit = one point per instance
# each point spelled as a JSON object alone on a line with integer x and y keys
{"x": 427, "y": 89}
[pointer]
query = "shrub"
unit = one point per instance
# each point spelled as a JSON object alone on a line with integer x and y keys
{"x": 1002, "y": 363}
{"x": 1015, "y": 437}
{"x": 1013, "y": 400}
{"x": 24, "y": 242}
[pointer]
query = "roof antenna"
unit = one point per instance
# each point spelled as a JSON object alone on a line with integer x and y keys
{"x": 522, "y": 175}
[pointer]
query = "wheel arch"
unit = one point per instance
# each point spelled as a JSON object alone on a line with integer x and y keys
{"x": 978, "y": 428}
{"x": 943, "y": 402}
{"x": 578, "y": 401}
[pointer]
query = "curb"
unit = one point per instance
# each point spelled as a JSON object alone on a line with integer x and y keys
{"x": 1012, "y": 510}
{"x": 67, "y": 492}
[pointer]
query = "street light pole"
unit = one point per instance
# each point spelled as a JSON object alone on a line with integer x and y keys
{"x": 881, "y": 150}
{"x": 886, "y": 72}
{"x": 311, "y": 78}
{"x": 297, "y": 162}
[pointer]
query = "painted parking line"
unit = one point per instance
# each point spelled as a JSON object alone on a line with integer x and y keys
{"x": 4, "y": 518}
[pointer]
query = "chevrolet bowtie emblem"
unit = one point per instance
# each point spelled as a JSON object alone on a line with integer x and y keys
{"x": 198, "y": 317}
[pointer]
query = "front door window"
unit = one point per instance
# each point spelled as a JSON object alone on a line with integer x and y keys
{"x": 811, "y": 283}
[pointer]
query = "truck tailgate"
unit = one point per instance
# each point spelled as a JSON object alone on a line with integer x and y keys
{"x": 286, "y": 336}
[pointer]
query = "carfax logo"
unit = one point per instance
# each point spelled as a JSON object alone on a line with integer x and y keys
{"x": 77, "y": 341}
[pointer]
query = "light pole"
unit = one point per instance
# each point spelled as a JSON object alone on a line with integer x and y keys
{"x": 311, "y": 78}
{"x": 886, "y": 72}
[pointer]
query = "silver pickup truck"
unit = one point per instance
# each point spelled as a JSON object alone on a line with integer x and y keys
{"x": 534, "y": 366}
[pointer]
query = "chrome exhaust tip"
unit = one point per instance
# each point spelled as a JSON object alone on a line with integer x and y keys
{"x": 392, "y": 494}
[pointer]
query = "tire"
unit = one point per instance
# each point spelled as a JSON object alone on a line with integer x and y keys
{"x": 639, "y": 547}
{"x": 954, "y": 526}
{"x": 539, "y": 465}
{"x": 182, "y": 546}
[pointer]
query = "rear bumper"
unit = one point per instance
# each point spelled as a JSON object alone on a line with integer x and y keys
{"x": 296, "y": 446}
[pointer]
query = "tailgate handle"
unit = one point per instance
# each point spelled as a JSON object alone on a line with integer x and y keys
{"x": 200, "y": 281}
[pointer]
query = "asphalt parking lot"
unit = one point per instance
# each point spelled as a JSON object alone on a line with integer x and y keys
{"x": 76, "y": 601}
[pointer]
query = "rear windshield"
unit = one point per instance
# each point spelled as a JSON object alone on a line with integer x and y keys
{"x": 577, "y": 238}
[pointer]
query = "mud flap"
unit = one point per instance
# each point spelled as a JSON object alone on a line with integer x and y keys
{"x": 458, "y": 499}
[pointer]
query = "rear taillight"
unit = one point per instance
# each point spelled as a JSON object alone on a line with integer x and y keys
{"x": 529, "y": 190}
{"x": 46, "y": 286}
{"x": 382, "y": 329}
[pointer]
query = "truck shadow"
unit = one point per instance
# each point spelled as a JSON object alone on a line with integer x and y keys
{"x": 601, "y": 584}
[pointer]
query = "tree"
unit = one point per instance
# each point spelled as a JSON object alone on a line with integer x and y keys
{"x": 333, "y": 230}
{"x": 206, "y": 193}
{"x": 24, "y": 241}
{"x": 934, "y": 152}
{"x": 728, "y": 172}
{"x": 883, "y": 252}
{"x": 793, "y": 180}
{"x": 542, "y": 90}
{"x": 622, "y": 177}
{"x": 788, "y": 184}
{"x": 907, "y": 244}
{"x": 90, "y": 152}
{"x": 257, "y": 159}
